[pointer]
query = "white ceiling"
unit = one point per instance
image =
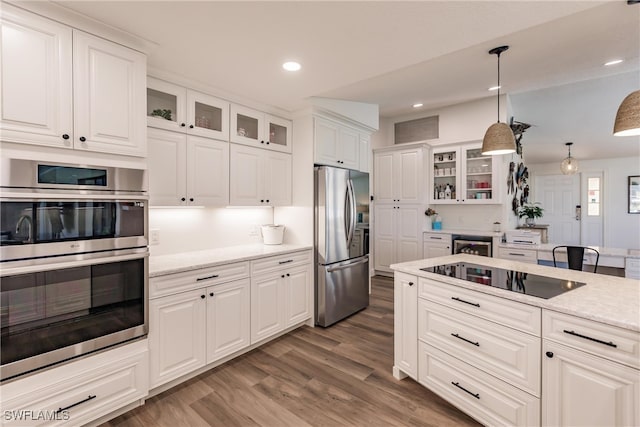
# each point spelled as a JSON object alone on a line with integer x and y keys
{"x": 396, "y": 53}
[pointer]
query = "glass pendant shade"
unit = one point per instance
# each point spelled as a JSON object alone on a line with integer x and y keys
{"x": 498, "y": 139}
{"x": 569, "y": 166}
{"x": 628, "y": 117}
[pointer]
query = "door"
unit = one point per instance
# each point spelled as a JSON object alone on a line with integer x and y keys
{"x": 592, "y": 209}
{"x": 247, "y": 126}
{"x": 278, "y": 133}
{"x": 267, "y": 306}
{"x": 177, "y": 327}
{"x": 36, "y": 91}
{"x": 558, "y": 196}
{"x": 384, "y": 178}
{"x": 342, "y": 289}
{"x": 166, "y": 105}
{"x": 109, "y": 94}
{"x": 333, "y": 216}
{"x": 405, "y": 329}
{"x": 246, "y": 182}
{"x": 408, "y": 176}
{"x": 384, "y": 242}
{"x": 349, "y": 148}
{"x": 228, "y": 328}
{"x": 298, "y": 286}
{"x": 277, "y": 178}
{"x": 167, "y": 164}
{"x": 408, "y": 233}
{"x": 325, "y": 136}
{"x": 207, "y": 172}
{"x": 207, "y": 116}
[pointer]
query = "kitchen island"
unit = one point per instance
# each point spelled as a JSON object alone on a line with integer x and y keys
{"x": 507, "y": 357}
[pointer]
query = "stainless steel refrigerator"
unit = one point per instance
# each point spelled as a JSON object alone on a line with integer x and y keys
{"x": 341, "y": 256}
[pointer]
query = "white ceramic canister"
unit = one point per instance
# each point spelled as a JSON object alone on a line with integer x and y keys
{"x": 272, "y": 234}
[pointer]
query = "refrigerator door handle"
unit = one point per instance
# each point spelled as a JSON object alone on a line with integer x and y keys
{"x": 349, "y": 265}
{"x": 352, "y": 212}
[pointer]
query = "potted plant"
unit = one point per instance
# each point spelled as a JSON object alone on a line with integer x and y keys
{"x": 530, "y": 211}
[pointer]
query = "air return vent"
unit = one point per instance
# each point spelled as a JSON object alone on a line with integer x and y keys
{"x": 416, "y": 130}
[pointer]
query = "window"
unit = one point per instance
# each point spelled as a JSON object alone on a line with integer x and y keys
{"x": 593, "y": 194}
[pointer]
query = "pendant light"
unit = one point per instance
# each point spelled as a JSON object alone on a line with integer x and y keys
{"x": 499, "y": 138}
{"x": 628, "y": 117}
{"x": 569, "y": 166}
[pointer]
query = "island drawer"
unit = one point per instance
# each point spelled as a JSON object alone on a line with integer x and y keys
{"x": 194, "y": 279}
{"x": 510, "y": 355}
{"x": 611, "y": 342}
{"x": 486, "y": 398}
{"x": 277, "y": 263}
{"x": 514, "y": 314}
{"x": 524, "y": 255}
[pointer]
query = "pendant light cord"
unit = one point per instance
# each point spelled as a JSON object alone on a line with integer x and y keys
{"x": 498, "y": 87}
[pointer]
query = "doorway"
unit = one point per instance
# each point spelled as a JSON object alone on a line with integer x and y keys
{"x": 559, "y": 196}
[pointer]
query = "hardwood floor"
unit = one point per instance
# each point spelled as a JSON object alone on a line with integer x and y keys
{"x": 339, "y": 376}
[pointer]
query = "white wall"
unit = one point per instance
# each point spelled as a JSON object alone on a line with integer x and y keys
{"x": 621, "y": 229}
{"x": 193, "y": 229}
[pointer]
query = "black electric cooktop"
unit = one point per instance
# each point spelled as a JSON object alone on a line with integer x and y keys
{"x": 516, "y": 281}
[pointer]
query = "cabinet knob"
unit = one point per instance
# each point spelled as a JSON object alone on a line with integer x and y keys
{"x": 211, "y": 294}
{"x": 182, "y": 125}
{"x": 282, "y": 276}
{"x": 183, "y": 199}
{"x": 190, "y": 126}
{"x": 288, "y": 275}
{"x": 410, "y": 283}
{"x": 83, "y": 139}
{"x": 65, "y": 136}
{"x": 191, "y": 199}
{"x": 202, "y": 296}
{"x": 262, "y": 201}
{"x": 261, "y": 142}
{"x": 549, "y": 354}
{"x": 267, "y": 142}
{"x": 267, "y": 200}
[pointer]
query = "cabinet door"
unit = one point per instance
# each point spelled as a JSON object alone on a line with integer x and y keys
{"x": 228, "y": 328}
{"x": 166, "y": 105}
{"x": 365, "y": 153}
{"x": 109, "y": 96}
{"x": 405, "y": 326}
{"x": 277, "y": 178}
{"x": 177, "y": 334}
{"x": 167, "y": 168}
{"x": 408, "y": 233}
{"x": 36, "y": 90}
{"x": 245, "y": 176}
{"x": 325, "y": 139}
{"x": 479, "y": 176}
{"x": 384, "y": 178}
{"x": 432, "y": 250}
{"x": 384, "y": 236}
{"x": 277, "y": 133}
{"x": 247, "y": 126}
{"x": 408, "y": 176}
{"x": 349, "y": 148}
{"x": 579, "y": 389}
{"x": 298, "y": 294}
{"x": 207, "y": 116}
{"x": 445, "y": 170}
{"x": 207, "y": 172}
{"x": 267, "y": 306}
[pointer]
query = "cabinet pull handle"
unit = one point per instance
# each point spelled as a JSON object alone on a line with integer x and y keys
{"x": 475, "y": 304}
{"x": 207, "y": 278}
{"x": 65, "y": 136}
{"x": 91, "y": 397}
{"x": 549, "y": 354}
{"x": 182, "y": 199}
{"x": 410, "y": 283}
{"x": 285, "y": 262}
{"x": 182, "y": 125}
{"x": 83, "y": 139}
{"x": 211, "y": 294}
{"x": 516, "y": 254}
{"x": 477, "y": 344}
{"x": 190, "y": 126}
{"x": 610, "y": 344}
{"x": 476, "y": 395}
{"x": 435, "y": 238}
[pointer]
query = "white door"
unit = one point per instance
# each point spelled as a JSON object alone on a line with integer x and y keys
{"x": 167, "y": 163}
{"x": 384, "y": 241}
{"x": 408, "y": 176}
{"x": 384, "y": 178}
{"x": 349, "y": 148}
{"x": 177, "y": 327}
{"x": 277, "y": 178}
{"x": 267, "y": 306}
{"x": 278, "y": 133}
{"x": 247, "y": 126}
{"x": 325, "y": 137}
{"x": 405, "y": 330}
{"x": 408, "y": 233}
{"x": 592, "y": 209}
{"x": 432, "y": 250}
{"x": 245, "y": 176}
{"x": 298, "y": 288}
{"x": 208, "y": 172}
{"x": 36, "y": 89}
{"x": 558, "y": 196}
{"x": 109, "y": 95}
{"x": 207, "y": 116}
{"x": 583, "y": 390}
{"x": 228, "y": 328}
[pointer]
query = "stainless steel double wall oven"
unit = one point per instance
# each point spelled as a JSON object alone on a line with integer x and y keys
{"x": 74, "y": 261}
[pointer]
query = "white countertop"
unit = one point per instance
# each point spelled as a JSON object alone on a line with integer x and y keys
{"x": 604, "y": 251}
{"x": 607, "y": 299}
{"x": 466, "y": 232}
{"x": 160, "y": 265}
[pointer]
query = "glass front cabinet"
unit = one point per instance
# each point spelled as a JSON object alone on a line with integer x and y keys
{"x": 461, "y": 174}
{"x": 175, "y": 108}
{"x": 257, "y": 129}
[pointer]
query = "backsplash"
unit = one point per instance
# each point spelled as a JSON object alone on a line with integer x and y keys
{"x": 193, "y": 229}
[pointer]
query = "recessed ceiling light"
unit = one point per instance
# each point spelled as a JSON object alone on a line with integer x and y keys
{"x": 494, "y": 88}
{"x": 417, "y": 105}
{"x": 291, "y": 66}
{"x": 614, "y": 62}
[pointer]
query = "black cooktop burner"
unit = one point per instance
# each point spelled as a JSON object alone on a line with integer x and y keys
{"x": 511, "y": 280}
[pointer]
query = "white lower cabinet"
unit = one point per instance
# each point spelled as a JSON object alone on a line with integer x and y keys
{"x": 227, "y": 319}
{"x": 398, "y": 230}
{"x": 79, "y": 392}
{"x": 436, "y": 244}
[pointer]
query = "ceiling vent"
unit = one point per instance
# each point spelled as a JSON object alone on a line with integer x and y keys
{"x": 417, "y": 130}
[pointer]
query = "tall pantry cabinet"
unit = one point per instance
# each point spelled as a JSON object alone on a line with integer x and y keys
{"x": 399, "y": 205}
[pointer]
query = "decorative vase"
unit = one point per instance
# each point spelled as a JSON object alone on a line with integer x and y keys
{"x": 436, "y": 223}
{"x": 530, "y": 222}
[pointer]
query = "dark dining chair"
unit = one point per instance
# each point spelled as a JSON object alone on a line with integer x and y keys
{"x": 575, "y": 256}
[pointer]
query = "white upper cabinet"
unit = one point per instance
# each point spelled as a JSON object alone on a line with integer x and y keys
{"x": 179, "y": 109}
{"x": 336, "y": 144}
{"x": 398, "y": 176}
{"x": 461, "y": 174}
{"x": 257, "y": 129}
{"x": 68, "y": 89}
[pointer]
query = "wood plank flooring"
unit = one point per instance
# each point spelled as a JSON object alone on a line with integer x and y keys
{"x": 339, "y": 376}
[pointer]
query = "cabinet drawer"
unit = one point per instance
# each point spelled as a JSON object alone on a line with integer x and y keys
{"x": 486, "y": 398}
{"x": 180, "y": 282}
{"x": 610, "y": 342}
{"x": 276, "y": 263}
{"x": 516, "y": 315}
{"x": 524, "y": 255}
{"x": 85, "y": 390}
{"x": 436, "y": 238}
{"x": 510, "y": 355}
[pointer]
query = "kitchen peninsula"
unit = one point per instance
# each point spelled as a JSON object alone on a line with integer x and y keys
{"x": 506, "y": 357}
